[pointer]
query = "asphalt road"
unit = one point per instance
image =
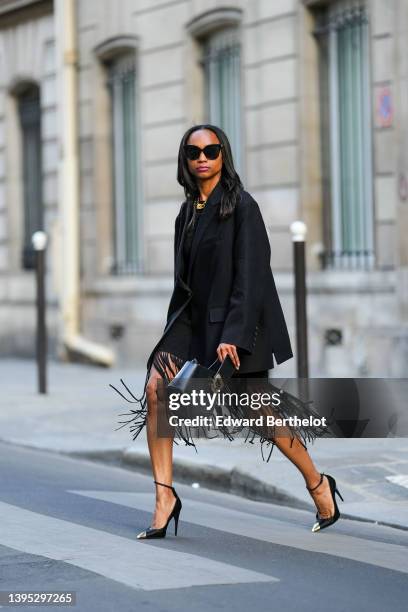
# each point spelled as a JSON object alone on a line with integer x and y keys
{"x": 70, "y": 525}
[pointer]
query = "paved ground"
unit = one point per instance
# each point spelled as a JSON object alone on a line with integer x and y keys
{"x": 80, "y": 413}
{"x": 70, "y": 525}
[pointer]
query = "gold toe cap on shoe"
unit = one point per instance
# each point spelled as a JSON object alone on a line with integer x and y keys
{"x": 316, "y": 527}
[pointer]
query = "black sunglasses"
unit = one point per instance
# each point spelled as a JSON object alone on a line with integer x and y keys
{"x": 211, "y": 151}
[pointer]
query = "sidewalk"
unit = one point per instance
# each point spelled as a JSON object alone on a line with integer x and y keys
{"x": 80, "y": 413}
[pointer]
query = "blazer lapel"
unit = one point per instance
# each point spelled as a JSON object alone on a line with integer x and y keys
{"x": 211, "y": 208}
{"x": 180, "y": 267}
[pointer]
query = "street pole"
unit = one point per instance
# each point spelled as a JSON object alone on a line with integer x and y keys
{"x": 299, "y": 229}
{"x": 39, "y": 241}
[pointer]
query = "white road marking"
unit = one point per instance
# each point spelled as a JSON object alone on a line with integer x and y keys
{"x": 390, "y": 556}
{"x": 399, "y": 479}
{"x": 134, "y": 563}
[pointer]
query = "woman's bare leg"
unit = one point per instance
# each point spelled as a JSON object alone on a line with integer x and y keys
{"x": 299, "y": 456}
{"x": 294, "y": 450}
{"x": 161, "y": 453}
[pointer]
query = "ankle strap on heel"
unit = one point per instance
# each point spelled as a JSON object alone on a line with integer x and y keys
{"x": 318, "y": 485}
{"x": 166, "y": 485}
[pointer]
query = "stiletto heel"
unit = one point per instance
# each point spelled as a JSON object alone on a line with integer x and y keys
{"x": 160, "y": 532}
{"x": 322, "y": 523}
{"x": 339, "y": 494}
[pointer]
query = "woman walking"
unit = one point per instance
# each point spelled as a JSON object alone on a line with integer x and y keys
{"x": 224, "y": 303}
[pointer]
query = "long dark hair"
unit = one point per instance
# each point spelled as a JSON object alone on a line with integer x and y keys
{"x": 230, "y": 180}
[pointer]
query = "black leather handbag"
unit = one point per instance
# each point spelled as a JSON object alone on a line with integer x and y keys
{"x": 215, "y": 377}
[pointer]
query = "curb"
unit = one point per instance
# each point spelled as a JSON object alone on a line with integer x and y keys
{"x": 226, "y": 481}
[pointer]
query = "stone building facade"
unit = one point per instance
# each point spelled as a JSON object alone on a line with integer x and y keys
{"x": 314, "y": 97}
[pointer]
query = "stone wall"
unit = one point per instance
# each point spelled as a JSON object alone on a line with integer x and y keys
{"x": 26, "y": 53}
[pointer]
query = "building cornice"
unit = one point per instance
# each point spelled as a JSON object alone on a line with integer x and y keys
{"x": 16, "y": 11}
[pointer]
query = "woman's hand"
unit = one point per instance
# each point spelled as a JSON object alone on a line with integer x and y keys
{"x": 228, "y": 349}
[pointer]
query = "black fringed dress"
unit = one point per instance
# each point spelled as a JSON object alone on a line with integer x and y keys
{"x": 174, "y": 350}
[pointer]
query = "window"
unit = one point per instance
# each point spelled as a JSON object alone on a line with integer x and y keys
{"x": 30, "y": 122}
{"x": 222, "y": 85}
{"x": 126, "y": 204}
{"x": 346, "y": 128}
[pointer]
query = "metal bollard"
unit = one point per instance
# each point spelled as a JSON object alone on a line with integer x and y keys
{"x": 39, "y": 242}
{"x": 299, "y": 229}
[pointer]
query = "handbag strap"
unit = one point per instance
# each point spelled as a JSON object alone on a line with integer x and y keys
{"x": 222, "y": 365}
{"x": 213, "y": 364}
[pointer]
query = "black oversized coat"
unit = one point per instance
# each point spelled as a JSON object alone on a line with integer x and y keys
{"x": 230, "y": 285}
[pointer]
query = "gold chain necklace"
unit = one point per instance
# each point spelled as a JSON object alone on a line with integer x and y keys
{"x": 200, "y": 204}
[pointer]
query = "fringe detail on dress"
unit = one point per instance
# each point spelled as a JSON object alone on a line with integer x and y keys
{"x": 289, "y": 406}
{"x": 137, "y": 416}
{"x": 168, "y": 365}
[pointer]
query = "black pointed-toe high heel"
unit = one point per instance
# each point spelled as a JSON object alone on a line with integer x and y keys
{"x": 322, "y": 523}
{"x": 160, "y": 532}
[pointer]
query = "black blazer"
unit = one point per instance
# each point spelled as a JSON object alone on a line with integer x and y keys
{"x": 230, "y": 285}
